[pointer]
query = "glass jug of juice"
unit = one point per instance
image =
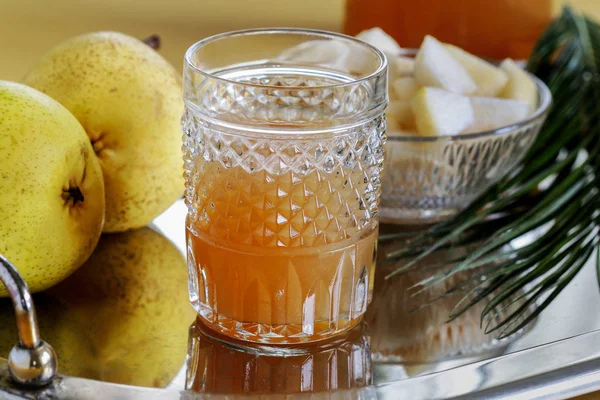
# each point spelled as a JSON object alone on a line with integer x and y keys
{"x": 488, "y": 28}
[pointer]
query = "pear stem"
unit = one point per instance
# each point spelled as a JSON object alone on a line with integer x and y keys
{"x": 153, "y": 41}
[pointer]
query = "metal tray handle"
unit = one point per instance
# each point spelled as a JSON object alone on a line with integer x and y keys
{"x": 32, "y": 362}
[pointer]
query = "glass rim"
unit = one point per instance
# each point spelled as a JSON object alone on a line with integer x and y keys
{"x": 382, "y": 67}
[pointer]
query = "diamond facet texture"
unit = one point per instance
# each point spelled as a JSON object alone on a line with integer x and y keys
{"x": 282, "y": 192}
{"x": 444, "y": 177}
{"x": 280, "y": 98}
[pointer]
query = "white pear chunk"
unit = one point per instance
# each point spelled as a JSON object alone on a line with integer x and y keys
{"x": 435, "y": 66}
{"x": 397, "y": 65}
{"x": 439, "y": 112}
{"x": 490, "y": 80}
{"x": 405, "y": 87}
{"x": 347, "y": 57}
{"x": 378, "y": 38}
{"x": 401, "y": 112}
{"x": 324, "y": 52}
{"x": 400, "y": 66}
{"x": 520, "y": 86}
{"x": 492, "y": 113}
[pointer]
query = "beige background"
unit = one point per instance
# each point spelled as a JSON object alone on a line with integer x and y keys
{"x": 30, "y": 27}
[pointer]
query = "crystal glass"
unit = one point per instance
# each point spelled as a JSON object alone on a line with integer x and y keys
{"x": 283, "y": 150}
{"x": 428, "y": 179}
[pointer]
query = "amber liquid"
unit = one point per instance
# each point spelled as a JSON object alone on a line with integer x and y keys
{"x": 489, "y": 28}
{"x": 278, "y": 258}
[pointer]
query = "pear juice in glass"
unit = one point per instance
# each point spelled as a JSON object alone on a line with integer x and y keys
{"x": 283, "y": 149}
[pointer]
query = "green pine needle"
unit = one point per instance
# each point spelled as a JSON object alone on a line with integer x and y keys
{"x": 517, "y": 284}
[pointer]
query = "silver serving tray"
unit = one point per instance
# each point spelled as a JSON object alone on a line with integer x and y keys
{"x": 558, "y": 358}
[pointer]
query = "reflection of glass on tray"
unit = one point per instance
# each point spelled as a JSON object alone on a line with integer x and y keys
{"x": 214, "y": 366}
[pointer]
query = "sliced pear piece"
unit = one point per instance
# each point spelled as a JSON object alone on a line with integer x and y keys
{"x": 400, "y": 66}
{"x": 490, "y": 80}
{"x": 325, "y": 52}
{"x": 439, "y": 112}
{"x": 520, "y": 86}
{"x": 492, "y": 113}
{"x": 401, "y": 111}
{"x": 435, "y": 66}
{"x": 405, "y": 87}
{"x": 378, "y": 38}
{"x": 347, "y": 57}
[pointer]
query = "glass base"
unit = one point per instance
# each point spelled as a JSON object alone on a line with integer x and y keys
{"x": 272, "y": 334}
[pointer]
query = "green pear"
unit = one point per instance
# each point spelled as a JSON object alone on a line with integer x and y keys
{"x": 123, "y": 317}
{"x": 51, "y": 188}
{"x": 129, "y": 101}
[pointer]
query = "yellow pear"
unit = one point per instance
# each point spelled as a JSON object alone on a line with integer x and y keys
{"x": 51, "y": 189}
{"x": 123, "y": 317}
{"x": 128, "y": 99}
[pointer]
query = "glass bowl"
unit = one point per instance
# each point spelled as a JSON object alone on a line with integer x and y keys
{"x": 427, "y": 179}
